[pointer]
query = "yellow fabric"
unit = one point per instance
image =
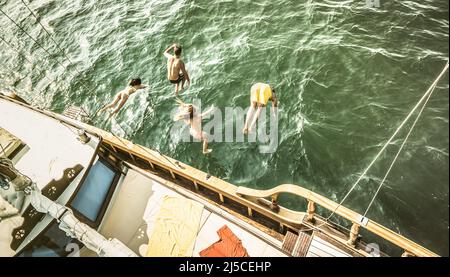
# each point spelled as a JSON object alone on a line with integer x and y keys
{"x": 176, "y": 228}
{"x": 261, "y": 93}
{"x": 9, "y": 142}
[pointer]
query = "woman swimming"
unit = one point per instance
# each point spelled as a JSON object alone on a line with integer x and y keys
{"x": 122, "y": 96}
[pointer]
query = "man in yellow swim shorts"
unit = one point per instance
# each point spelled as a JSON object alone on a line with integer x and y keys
{"x": 260, "y": 95}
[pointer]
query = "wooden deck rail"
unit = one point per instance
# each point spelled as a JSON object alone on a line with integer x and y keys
{"x": 372, "y": 226}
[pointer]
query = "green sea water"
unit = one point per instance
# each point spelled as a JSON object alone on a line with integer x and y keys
{"x": 346, "y": 76}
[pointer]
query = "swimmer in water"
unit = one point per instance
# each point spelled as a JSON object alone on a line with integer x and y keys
{"x": 122, "y": 96}
{"x": 176, "y": 70}
{"x": 191, "y": 117}
{"x": 260, "y": 95}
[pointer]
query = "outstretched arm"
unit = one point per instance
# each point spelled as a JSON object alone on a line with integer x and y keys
{"x": 185, "y": 73}
{"x": 178, "y": 100}
{"x": 274, "y": 105}
{"x": 166, "y": 52}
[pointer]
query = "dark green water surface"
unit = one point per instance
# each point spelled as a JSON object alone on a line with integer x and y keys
{"x": 346, "y": 76}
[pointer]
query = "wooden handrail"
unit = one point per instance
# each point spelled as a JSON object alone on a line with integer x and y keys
{"x": 346, "y": 213}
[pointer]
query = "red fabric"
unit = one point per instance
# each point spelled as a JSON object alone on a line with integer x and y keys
{"x": 228, "y": 245}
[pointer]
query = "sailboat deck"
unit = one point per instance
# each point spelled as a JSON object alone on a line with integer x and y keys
{"x": 132, "y": 217}
{"x": 47, "y": 149}
{"x": 50, "y": 145}
{"x": 136, "y": 187}
{"x": 321, "y": 248}
{"x": 136, "y": 195}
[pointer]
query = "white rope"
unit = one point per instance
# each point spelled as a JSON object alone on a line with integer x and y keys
{"x": 425, "y": 97}
{"x": 427, "y": 93}
{"x": 398, "y": 152}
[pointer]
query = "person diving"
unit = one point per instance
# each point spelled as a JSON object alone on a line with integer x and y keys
{"x": 122, "y": 96}
{"x": 176, "y": 69}
{"x": 260, "y": 95}
{"x": 190, "y": 114}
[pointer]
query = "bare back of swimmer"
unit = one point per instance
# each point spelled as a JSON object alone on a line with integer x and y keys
{"x": 190, "y": 116}
{"x": 176, "y": 69}
{"x": 122, "y": 96}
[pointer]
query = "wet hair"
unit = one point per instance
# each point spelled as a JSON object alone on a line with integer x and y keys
{"x": 135, "y": 82}
{"x": 191, "y": 111}
{"x": 177, "y": 49}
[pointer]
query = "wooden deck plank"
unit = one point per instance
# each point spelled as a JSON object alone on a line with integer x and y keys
{"x": 302, "y": 245}
{"x": 311, "y": 254}
{"x": 326, "y": 249}
{"x": 319, "y": 252}
{"x": 289, "y": 242}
